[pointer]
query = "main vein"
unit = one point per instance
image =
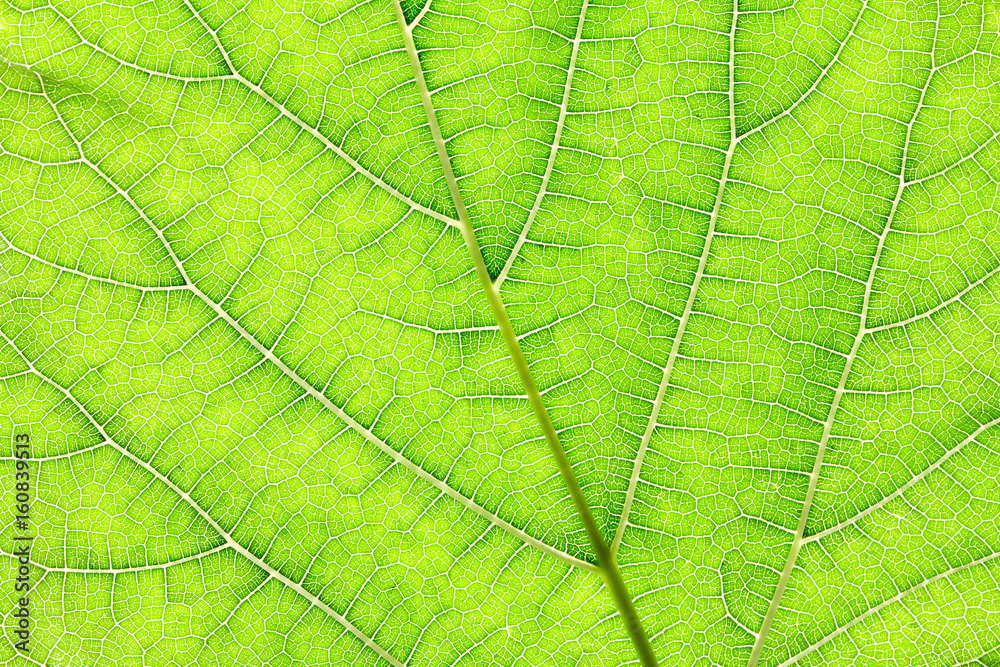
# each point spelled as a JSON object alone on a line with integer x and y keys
{"x": 606, "y": 560}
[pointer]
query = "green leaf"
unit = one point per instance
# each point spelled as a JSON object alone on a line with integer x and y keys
{"x": 449, "y": 333}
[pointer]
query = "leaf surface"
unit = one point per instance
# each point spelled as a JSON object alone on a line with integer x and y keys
{"x": 747, "y": 248}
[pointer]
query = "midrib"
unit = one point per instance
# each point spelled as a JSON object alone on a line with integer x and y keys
{"x": 606, "y": 561}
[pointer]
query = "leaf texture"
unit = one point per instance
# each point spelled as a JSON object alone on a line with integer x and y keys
{"x": 748, "y": 248}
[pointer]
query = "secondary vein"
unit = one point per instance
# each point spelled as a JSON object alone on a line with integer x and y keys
{"x": 186, "y": 497}
{"x": 692, "y": 295}
{"x": 799, "y": 539}
{"x": 312, "y": 131}
{"x": 316, "y": 393}
{"x": 879, "y": 607}
{"x": 560, "y": 124}
{"x": 905, "y": 487}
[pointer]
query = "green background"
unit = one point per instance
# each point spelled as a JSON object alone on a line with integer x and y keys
{"x": 272, "y": 417}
